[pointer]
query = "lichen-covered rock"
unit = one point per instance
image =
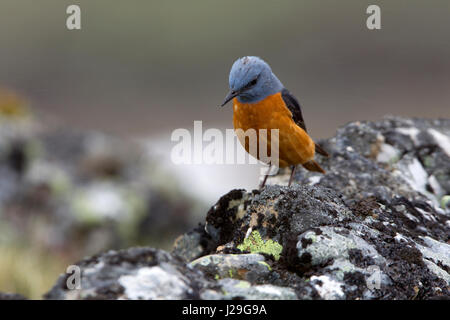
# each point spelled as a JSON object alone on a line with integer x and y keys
{"x": 392, "y": 157}
{"x": 251, "y": 267}
{"x": 362, "y": 253}
{"x": 232, "y": 289}
{"x": 270, "y": 213}
{"x": 375, "y": 226}
{"x": 193, "y": 244}
{"x": 146, "y": 273}
{"x": 135, "y": 273}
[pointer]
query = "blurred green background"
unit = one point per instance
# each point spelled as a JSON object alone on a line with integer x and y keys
{"x": 140, "y": 69}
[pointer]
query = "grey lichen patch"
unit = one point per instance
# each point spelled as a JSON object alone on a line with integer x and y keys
{"x": 135, "y": 273}
{"x": 251, "y": 267}
{"x": 151, "y": 283}
{"x": 232, "y": 288}
{"x": 330, "y": 245}
{"x": 388, "y": 154}
{"x": 437, "y": 257}
{"x": 328, "y": 288}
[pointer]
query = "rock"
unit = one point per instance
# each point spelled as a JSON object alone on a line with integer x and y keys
{"x": 341, "y": 251}
{"x": 251, "y": 267}
{"x": 193, "y": 244}
{"x": 232, "y": 289}
{"x": 358, "y": 231}
{"x": 391, "y": 157}
{"x": 375, "y": 226}
{"x": 146, "y": 273}
{"x": 135, "y": 273}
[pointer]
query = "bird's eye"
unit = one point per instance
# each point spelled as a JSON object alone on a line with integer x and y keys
{"x": 253, "y": 82}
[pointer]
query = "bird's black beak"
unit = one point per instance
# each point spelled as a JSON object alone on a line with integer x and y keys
{"x": 230, "y": 96}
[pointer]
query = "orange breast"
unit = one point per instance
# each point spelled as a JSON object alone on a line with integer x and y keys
{"x": 295, "y": 146}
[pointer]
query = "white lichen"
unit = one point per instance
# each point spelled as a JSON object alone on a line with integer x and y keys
{"x": 442, "y": 140}
{"x": 411, "y": 132}
{"x": 327, "y": 288}
{"x": 388, "y": 153}
{"x": 154, "y": 283}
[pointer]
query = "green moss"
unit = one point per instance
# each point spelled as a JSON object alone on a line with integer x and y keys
{"x": 230, "y": 273}
{"x": 444, "y": 201}
{"x": 255, "y": 244}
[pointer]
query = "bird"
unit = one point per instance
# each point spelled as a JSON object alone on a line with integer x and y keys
{"x": 260, "y": 101}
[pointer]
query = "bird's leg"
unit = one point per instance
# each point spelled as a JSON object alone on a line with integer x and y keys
{"x": 292, "y": 175}
{"x": 265, "y": 177}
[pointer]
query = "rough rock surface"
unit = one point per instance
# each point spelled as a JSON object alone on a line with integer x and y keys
{"x": 135, "y": 273}
{"x": 375, "y": 226}
{"x": 147, "y": 273}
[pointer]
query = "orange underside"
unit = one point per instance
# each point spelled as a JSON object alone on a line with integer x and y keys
{"x": 295, "y": 146}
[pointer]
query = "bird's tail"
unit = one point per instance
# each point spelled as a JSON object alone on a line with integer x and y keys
{"x": 321, "y": 151}
{"x": 312, "y": 165}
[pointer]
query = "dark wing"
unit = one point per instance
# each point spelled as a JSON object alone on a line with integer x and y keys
{"x": 293, "y": 106}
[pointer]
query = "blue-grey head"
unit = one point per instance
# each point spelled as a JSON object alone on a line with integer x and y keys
{"x": 251, "y": 80}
